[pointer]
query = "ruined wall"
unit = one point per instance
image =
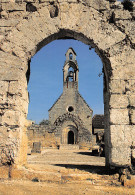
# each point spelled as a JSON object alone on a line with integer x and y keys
{"x": 28, "y": 25}
{"x": 42, "y": 134}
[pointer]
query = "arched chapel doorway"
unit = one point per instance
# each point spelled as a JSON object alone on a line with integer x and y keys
{"x": 69, "y": 134}
{"x": 70, "y": 137}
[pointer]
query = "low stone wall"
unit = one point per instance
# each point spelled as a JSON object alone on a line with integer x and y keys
{"x": 42, "y": 134}
{"x": 49, "y": 137}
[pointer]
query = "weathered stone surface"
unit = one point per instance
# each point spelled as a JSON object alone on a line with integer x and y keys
{"x": 11, "y": 118}
{"x": 123, "y": 14}
{"x": 128, "y": 28}
{"x": 132, "y": 100}
{"x": 118, "y": 101}
{"x": 24, "y": 32}
{"x": 116, "y": 157}
{"x": 4, "y": 172}
{"x": 119, "y": 116}
{"x": 11, "y": 7}
{"x": 132, "y": 116}
{"x": 117, "y": 86}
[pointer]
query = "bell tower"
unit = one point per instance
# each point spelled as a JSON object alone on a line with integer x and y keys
{"x": 70, "y": 70}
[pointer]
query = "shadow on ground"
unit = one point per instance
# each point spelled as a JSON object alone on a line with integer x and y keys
{"x": 88, "y": 153}
{"x": 101, "y": 170}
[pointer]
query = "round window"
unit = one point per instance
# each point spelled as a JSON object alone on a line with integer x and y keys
{"x": 70, "y": 108}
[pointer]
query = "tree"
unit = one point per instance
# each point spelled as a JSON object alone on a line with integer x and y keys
{"x": 44, "y": 122}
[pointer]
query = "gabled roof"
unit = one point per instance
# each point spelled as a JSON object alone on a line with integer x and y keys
{"x": 85, "y": 102}
{"x": 55, "y": 102}
{"x": 98, "y": 121}
{"x": 70, "y": 48}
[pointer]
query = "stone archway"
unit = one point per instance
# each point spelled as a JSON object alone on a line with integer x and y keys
{"x": 65, "y": 134}
{"x": 97, "y": 24}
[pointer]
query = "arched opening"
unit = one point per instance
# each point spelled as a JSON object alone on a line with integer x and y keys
{"x": 106, "y": 67}
{"x": 49, "y": 87}
{"x": 70, "y": 76}
{"x": 70, "y": 137}
{"x": 45, "y": 28}
{"x": 71, "y": 56}
{"x": 45, "y": 83}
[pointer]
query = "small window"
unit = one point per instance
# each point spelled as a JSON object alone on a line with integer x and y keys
{"x": 70, "y": 56}
{"x": 70, "y": 109}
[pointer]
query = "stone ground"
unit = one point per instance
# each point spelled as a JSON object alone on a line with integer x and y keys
{"x": 58, "y": 172}
{"x": 75, "y": 157}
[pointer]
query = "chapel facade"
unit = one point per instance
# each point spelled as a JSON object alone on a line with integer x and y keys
{"x": 70, "y": 114}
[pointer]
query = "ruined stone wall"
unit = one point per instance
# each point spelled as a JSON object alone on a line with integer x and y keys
{"x": 28, "y": 25}
{"x": 42, "y": 134}
{"x": 51, "y": 136}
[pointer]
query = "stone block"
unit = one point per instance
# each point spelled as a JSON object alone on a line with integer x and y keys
{"x": 3, "y": 134}
{"x": 5, "y": 47}
{"x": 118, "y": 101}
{"x": 29, "y": 31}
{"x": 20, "y": 40}
{"x": 128, "y": 27}
{"x": 64, "y": 7}
{"x": 99, "y": 5}
{"x": 132, "y": 116}
{"x": 5, "y": 1}
{"x": 119, "y": 116}
{"x": 129, "y": 134}
{"x": 130, "y": 87}
{"x": 117, "y": 134}
{"x": 118, "y": 159}
{"x": 9, "y": 74}
{"x": 124, "y": 14}
{"x": 3, "y": 87}
{"x": 12, "y": 6}
{"x": 18, "y": 88}
{"x": 131, "y": 100}
{"x": 11, "y": 117}
{"x": 122, "y": 135}
{"x": 19, "y": 52}
{"x": 9, "y": 22}
{"x": 36, "y": 147}
{"x": 10, "y": 59}
{"x": 4, "y": 172}
{"x": 117, "y": 86}
{"x": 123, "y": 59}
{"x": 124, "y": 72}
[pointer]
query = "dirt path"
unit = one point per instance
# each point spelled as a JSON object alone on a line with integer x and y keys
{"x": 74, "y": 188}
{"x": 65, "y": 173}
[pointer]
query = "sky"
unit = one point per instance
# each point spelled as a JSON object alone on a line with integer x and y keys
{"x": 46, "y": 77}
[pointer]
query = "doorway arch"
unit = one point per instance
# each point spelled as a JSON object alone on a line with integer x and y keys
{"x": 70, "y": 137}
{"x": 81, "y": 21}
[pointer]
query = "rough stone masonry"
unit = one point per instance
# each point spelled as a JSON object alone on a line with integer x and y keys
{"x": 106, "y": 25}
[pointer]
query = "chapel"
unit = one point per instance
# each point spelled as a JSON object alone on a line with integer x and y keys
{"x": 70, "y": 114}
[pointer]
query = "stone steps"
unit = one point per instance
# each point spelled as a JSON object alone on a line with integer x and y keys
{"x": 69, "y": 147}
